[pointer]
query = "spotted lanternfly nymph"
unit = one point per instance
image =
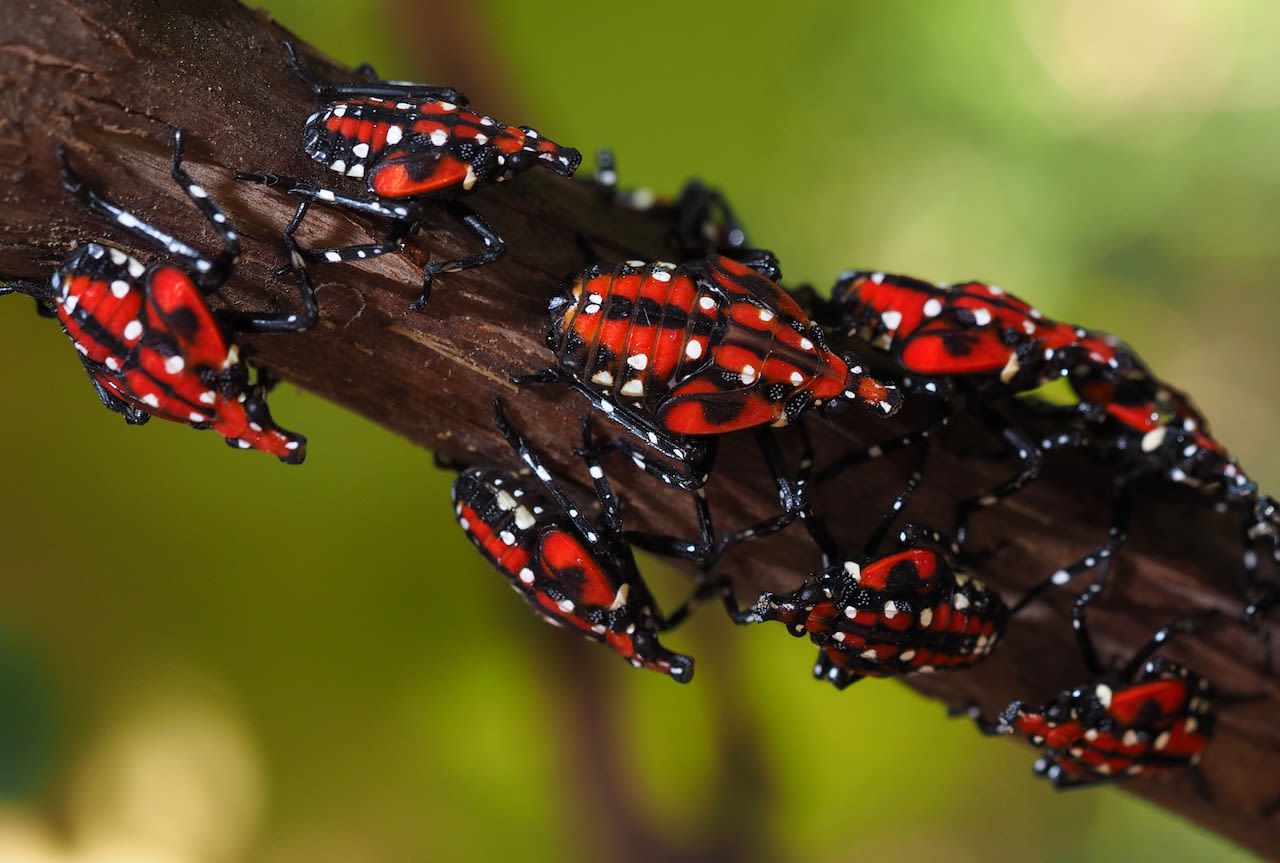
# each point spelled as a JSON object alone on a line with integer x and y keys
{"x": 572, "y": 572}
{"x": 677, "y": 354}
{"x": 974, "y": 337}
{"x": 1149, "y": 715}
{"x": 146, "y": 335}
{"x": 412, "y": 144}
{"x": 972, "y": 331}
{"x": 908, "y": 612}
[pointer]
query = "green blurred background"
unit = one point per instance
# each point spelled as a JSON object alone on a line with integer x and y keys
{"x": 207, "y": 656}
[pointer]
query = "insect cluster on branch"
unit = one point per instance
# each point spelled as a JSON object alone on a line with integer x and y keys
{"x": 668, "y": 357}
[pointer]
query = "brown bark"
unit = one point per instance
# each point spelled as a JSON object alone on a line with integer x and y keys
{"x": 108, "y": 81}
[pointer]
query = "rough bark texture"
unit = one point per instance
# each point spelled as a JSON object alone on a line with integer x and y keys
{"x": 109, "y": 80}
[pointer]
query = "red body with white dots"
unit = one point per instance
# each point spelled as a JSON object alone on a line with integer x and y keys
{"x": 566, "y": 579}
{"x": 705, "y": 347}
{"x": 149, "y": 339}
{"x": 907, "y": 612}
{"x": 1114, "y": 728}
{"x": 426, "y": 146}
{"x": 968, "y": 330}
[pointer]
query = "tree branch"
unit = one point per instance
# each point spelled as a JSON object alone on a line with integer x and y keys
{"x": 109, "y": 83}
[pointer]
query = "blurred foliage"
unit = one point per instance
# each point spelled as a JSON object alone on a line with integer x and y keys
{"x": 248, "y": 661}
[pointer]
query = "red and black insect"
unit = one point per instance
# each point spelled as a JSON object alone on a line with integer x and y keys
{"x": 412, "y": 144}
{"x": 146, "y": 335}
{"x": 678, "y": 354}
{"x": 975, "y": 337}
{"x": 572, "y": 572}
{"x": 908, "y": 612}
{"x": 1149, "y": 715}
{"x": 970, "y": 331}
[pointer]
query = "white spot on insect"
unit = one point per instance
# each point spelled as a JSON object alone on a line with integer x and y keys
{"x": 890, "y": 610}
{"x": 133, "y": 330}
{"x": 982, "y": 317}
{"x": 1010, "y": 369}
{"x": 892, "y": 319}
{"x": 195, "y": 191}
{"x": 1029, "y": 327}
{"x": 926, "y": 618}
{"x": 796, "y": 379}
{"x": 766, "y": 315}
{"x": 591, "y": 309}
{"x": 661, "y": 275}
{"x": 127, "y": 220}
{"x": 748, "y": 375}
{"x": 394, "y": 134}
{"x": 805, "y": 344}
{"x": 439, "y": 137}
{"x": 332, "y": 256}
{"x": 595, "y": 472}
{"x": 706, "y": 303}
{"x": 1152, "y": 440}
{"x": 469, "y": 181}
{"x": 1191, "y": 725}
{"x": 603, "y": 377}
{"x": 565, "y": 605}
{"x": 174, "y": 364}
{"x": 1060, "y": 577}
{"x": 693, "y": 349}
{"x": 339, "y": 165}
{"x": 526, "y": 575}
{"x": 507, "y": 537}
{"x": 621, "y": 597}
{"x": 70, "y": 303}
{"x": 356, "y": 170}
{"x": 932, "y": 308}
{"x": 633, "y": 388}
{"x": 639, "y": 362}
{"x": 481, "y": 139}
{"x": 403, "y": 106}
{"x": 907, "y": 655}
{"x": 1103, "y": 693}
{"x": 524, "y": 518}
{"x": 338, "y": 111}
{"x": 196, "y": 417}
{"x": 208, "y": 397}
{"x": 505, "y": 501}
{"x": 960, "y": 601}
{"x": 325, "y": 194}
{"x": 112, "y": 363}
{"x": 1130, "y": 738}
{"x": 151, "y": 399}
{"x": 360, "y": 151}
